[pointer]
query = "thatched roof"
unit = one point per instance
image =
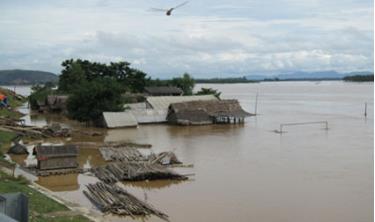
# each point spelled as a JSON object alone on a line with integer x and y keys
{"x": 47, "y": 151}
{"x": 202, "y": 110}
{"x": 159, "y": 90}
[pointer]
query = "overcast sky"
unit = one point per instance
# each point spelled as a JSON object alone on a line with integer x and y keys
{"x": 205, "y": 37}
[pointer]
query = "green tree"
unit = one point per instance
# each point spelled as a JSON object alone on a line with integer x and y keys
{"x": 132, "y": 80}
{"x": 91, "y": 99}
{"x": 72, "y": 76}
{"x": 186, "y": 83}
{"x": 209, "y": 91}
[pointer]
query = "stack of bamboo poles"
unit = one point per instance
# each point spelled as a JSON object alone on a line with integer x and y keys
{"x": 129, "y": 154}
{"x": 122, "y": 154}
{"x": 131, "y": 171}
{"x": 113, "y": 199}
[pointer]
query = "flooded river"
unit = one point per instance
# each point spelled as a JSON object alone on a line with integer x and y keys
{"x": 250, "y": 173}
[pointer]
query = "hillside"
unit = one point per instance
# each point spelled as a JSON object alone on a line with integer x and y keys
{"x": 25, "y": 77}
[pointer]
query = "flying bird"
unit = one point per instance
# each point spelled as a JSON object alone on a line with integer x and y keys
{"x": 168, "y": 12}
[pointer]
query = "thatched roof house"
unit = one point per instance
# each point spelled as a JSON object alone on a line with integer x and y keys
{"x": 206, "y": 112}
{"x": 56, "y": 156}
{"x": 163, "y": 91}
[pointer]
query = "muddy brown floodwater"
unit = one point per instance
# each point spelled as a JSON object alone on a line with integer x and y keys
{"x": 250, "y": 173}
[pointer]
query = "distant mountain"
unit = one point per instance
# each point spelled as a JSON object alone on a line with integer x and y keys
{"x": 26, "y": 77}
{"x": 301, "y": 75}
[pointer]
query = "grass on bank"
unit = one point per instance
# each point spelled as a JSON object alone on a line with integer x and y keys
{"x": 41, "y": 208}
{"x": 14, "y": 102}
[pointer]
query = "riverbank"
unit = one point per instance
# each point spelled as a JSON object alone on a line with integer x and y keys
{"x": 41, "y": 207}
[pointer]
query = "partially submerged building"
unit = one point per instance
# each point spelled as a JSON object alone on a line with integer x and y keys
{"x": 53, "y": 157}
{"x": 153, "y": 110}
{"x": 206, "y": 112}
{"x": 163, "y": 91}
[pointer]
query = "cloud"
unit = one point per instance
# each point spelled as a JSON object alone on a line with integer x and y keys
{"x": 206, "y": 38}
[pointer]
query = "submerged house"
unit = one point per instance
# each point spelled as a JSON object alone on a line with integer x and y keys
{"x": 206, "y": 112}
{"x": 163, "y": 91}
{"x": 153, "y": 110}
{"x": 54, "y": 157}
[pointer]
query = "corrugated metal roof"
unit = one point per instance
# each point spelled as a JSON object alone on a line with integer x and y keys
{"x": 150, "y": 115}
{"x": 55, "y": 151}
{"x": 163, "y": 102}
{"x": 135, "y": 106}
{"x": 119, "y": 119}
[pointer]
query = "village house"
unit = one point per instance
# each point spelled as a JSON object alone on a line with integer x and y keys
{"x": 163, "y": 91}
{"x": 56, "y": 157}
{"x": 206, "y": 112}
{"x": 153, "y": 110}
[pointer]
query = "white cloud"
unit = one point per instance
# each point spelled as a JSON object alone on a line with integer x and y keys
{"x": 204, "y": 38}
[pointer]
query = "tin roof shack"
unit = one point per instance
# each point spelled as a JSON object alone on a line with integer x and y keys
{"x": 119, "y": 119}
{"x": 56, "y": 157}
{"x": 163, "y": 91}
{"x": 206, "y": 112}
{"x": 15, "y": 206}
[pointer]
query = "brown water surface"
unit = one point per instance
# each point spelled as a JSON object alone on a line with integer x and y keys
{"x": 250, "y": 173}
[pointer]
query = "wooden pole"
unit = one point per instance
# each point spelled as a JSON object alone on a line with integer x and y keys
{"x": 256, "y": 104}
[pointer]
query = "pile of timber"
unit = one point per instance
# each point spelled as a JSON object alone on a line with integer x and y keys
{"x": 6, "y": 121}
{"x": 133, "y": 171}
{"x": 123, "y": 144}
{"x": 114, "y": 199}
{"x": 56, "y": 130}
{"x": 130, "y": 154}
{"x": 122, "y": 154}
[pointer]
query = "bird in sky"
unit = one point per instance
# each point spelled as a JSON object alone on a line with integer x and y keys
{"x": 168, "y": 12}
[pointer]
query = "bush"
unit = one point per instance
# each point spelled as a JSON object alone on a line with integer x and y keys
{"x": 91, "y": 99}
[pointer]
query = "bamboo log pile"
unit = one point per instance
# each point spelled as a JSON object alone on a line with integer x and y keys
{"x": 129, "y": 154}
{"x": 122, "y": 144}
{"x": 131, "y": 171}
{"x": 122, "y": 154}
{"x": 114, "y": 199}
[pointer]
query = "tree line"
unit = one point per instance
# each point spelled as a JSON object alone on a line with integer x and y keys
{"x": 96, "y": 87}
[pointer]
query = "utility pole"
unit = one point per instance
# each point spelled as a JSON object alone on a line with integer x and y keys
{"x": 256, "y": 104}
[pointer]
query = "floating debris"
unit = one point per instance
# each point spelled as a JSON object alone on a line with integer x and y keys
{"x": 131, "y": 171}
{"x": 116, "y": 200}
{"x": 55, "y": 130}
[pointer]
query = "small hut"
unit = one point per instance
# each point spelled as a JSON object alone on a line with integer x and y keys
{"x": 163, "y": 91}
{"x": 206, "y": 112}
{"x": 56, "y": 157}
